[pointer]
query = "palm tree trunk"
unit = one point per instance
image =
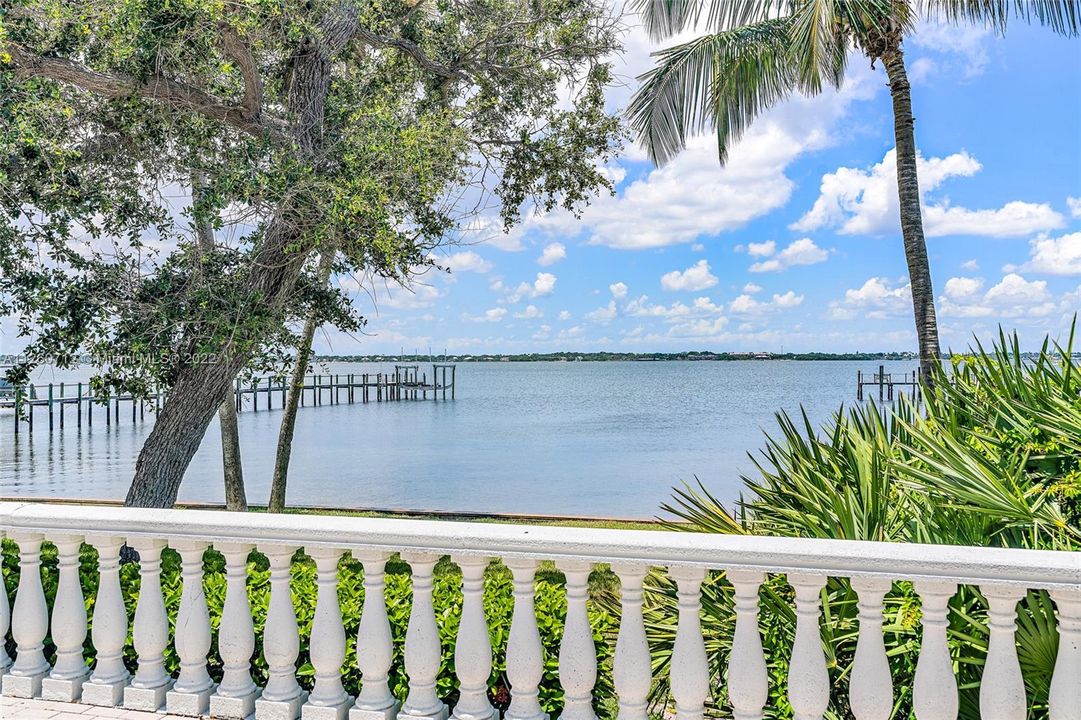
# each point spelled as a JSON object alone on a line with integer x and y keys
{"x": 232, "y": 468}
{"x": 908, "y": 192}
{"x": 292, "y": 400}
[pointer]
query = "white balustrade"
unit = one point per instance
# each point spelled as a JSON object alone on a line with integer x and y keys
{"x": 1003, "y": 576}
{"x": 473, "y": 648}
{"x": 871, "y": 687}
{"x": 110, "y": 628}
{"x": 422, "y": 647}
{"x": 1065, "y": 696}
{"x": 236, "y": 694}
{"x": 748, "y": 682}
{"x": 328, "y": 699}
{"x": 65, "y": 682}
{"x": 190, "y": 694}
{"x": 282, "y": 696}
{"x": 689, "y": 671}
{"x": 150, "y": 632}
{"x": 808, "y": 677}
{"x": 577, "y": 653}
{"x": 632, "y": 671}
{"x": 1002, "y": 689}
{"x": 934, "y": 689}
{"x": 525, "y": 656}
{"x": 29, "y": 621}
{"x": 375, "y": 645}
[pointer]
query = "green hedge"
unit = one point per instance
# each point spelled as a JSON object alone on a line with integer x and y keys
{"x": 498, "y": 604}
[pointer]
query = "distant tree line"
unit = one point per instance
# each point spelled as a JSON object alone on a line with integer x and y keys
{"x": 620, "y": 356}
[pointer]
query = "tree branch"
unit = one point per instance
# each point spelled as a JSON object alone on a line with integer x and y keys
{"x": 161, "y": 89}
{"x": 412, "y": 50}
{"x": 239, "y": 52}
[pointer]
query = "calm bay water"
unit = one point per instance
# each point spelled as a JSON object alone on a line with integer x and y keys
{"x": 604, "y": 439}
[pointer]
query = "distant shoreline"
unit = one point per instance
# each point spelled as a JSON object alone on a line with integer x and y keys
{"x": 619, "y": 357}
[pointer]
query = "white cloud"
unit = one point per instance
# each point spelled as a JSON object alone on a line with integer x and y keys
{"x": 751, "y": 288}
{"x": 922, "y": 69}
{"x": 762, "y": 249}
{"x": 1074, "y": 204}
{"x": 959, "y": 288}
{"x": 493, "y": 315}
{"x": 971, "y": 265}
{"x": 693, "y": 196}
{"x": 544, "y": 284}
{"x": 531, "y": 312}
{"x": 969, "y": 42}
{"x": 1011, "y": 220}
{"x": 552, "y": 253}
{"x": 565, "y": 315}
{"x": 799, "y": 252}
{"x": 1013, "y": 297}
{"x": 696, "y": 277}
{"x": 603, "y": 315}
{"x": 465, "y": 261}
{"x": 618, "y": 290}
{"x": 877, "y": 298}
{"x": 864, "y": 202}
{"x": 1054, "y": 256}
{"x": 747, "y": 305}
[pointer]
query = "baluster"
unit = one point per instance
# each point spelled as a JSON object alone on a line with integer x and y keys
{"x": 1065, "y": 696}
{"x": 110, "y": 630}
{"x": 577, "y": 653}
{"x": 689, "y": 673}
{"x": 29, "y": 622}
{"x": 934, "y": 689}
{"x": 422, "y": 648}
{"x": 375, "y": 644}
{"x": 282, "y": 696}
{"x": 1002, "y": 689}
{"x": 473, "y": 647}
{"x": 5, "y": 620}
{"x": 808, "y": 678}
{"x": 632, "y": 672}
{"x": 191, "y": 692}
{"x": 150, "y": 632}
{"x": 65, "y": 682}
{"x": 236, "y": 694}
{"x": 871, "y": 688}
{"x": 328, "y": 699}
{"x": 748, "y": 681}
{"x": 525, "y": 656}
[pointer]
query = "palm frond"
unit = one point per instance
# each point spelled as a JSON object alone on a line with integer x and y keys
{"x": 665, "y": 18}
{"x": 722, "y": 80}
{"x": 1062, "y": 16}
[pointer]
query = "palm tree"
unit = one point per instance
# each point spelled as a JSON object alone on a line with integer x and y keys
{"x": 756, "y": 53}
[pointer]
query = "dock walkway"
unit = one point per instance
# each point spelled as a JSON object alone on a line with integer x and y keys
{"x": 406, "y": 382}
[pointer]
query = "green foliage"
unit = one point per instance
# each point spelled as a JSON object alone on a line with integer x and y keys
{"x": 377, "y": 152}
{"x": 550, "y": 601}
{"x": 992, "y": 460}
{"x": 756, "y": 53}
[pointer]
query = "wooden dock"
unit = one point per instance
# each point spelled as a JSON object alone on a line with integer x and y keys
{"x": 406, "y": 382}
{"x": 887, "y": 384}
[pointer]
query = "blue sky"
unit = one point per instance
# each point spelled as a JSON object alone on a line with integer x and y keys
{"x": 795, "y": 243}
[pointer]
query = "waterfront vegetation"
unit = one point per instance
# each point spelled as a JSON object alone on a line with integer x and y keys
{"x": 993, "y": 459}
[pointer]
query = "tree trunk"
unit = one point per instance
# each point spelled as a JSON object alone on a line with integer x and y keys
{"x": 908, "y": 192}
{"x": 275, "y": 267}
{"x": 232, "y": 468}
{"x": 235, "y": 497}
{"x": 292, "y": 401}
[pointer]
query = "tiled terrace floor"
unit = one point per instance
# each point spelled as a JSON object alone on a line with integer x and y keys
{"x": 15, "y": 709}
